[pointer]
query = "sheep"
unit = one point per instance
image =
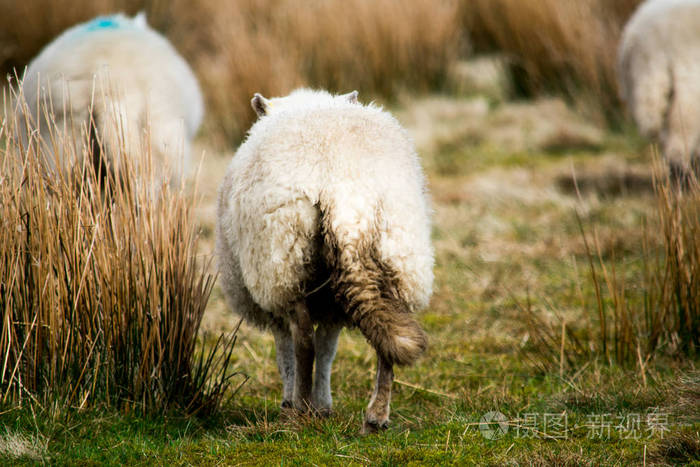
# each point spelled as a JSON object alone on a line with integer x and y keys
{"x": 658, "y": 73}
{"x": 123, "y": 83}
{"x": 323, "y": 219}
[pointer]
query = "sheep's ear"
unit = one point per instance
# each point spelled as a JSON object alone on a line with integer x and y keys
{"x": 260, "y": 104}
{"x": 140, "y": 19}
{"x": 351, "y": 97}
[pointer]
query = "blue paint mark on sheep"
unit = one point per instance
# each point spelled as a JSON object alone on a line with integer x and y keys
{"x": 103, "y": 22}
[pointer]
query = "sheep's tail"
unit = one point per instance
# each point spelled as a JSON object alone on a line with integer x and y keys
{"x": 367, "y": 288}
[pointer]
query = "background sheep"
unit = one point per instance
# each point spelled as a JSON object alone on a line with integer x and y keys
{"x": 323, "y": 219}
{"x": 121, "y": 81}
{"x": 659, "y": 77}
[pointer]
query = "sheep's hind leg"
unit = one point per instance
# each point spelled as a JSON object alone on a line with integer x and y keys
{"x": 325, "y": 346}
{"x": 377, "y": 416}
{"x": 303, "y": 335}
{"x": 285, "y": 363}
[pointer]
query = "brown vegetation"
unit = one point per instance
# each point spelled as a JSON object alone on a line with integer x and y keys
{"x": 568, "y": 45}
{"x": 376, "y": 47}
{"x": 269, "y": 47}
{"x": 640, "y": 310}
{"x": 101, "y": 292}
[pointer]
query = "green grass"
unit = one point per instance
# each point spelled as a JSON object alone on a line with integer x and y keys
{"x": 505, "y": 234}
{"x": 427, "y": 428}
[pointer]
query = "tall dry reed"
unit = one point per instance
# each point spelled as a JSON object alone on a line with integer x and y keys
{"x": 101, "y": 291}
{"x": 377, "y": 47}
{"x": 239, "y": 48}
{"x": 568, "y": 45}
{"x": 271, "y": 47}
{"x": 641, "y": 308}
{"x": 664, "y": 313}
{"x": 679, "y": 279}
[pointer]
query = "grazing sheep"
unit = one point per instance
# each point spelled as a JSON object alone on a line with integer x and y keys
{"x": 120, "y": 80}
{"x": 659, "y": 77}
{"x": 323, "y": 219}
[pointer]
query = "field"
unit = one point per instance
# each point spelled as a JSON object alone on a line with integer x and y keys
{"x": 505, "y": 235}
{"x": 547, "y": 222}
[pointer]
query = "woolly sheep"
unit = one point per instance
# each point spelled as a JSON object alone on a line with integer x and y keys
{"x": 659, "y": 77}
{"x": 119, "y": 79}
{"x": 324, "y": 219}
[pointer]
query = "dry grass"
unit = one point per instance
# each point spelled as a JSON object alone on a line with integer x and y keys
{"x": 268, "y": 46}
{"x": 102, "y": 294}
{"x": 679, "y": 279}
{"x": 376, "y": 47}
{"x": 680, "y": 448}
{"x": 642, "y": 308}
{"x": 565, "y": 44}
{"x": 25, "y": 27}
{"x": 664, "y": 313}
{"x": 22, "y": 446}
{"x": 271, "y": 47}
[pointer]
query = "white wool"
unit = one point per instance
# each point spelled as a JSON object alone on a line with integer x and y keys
{"x": 313, "y": 151}
{"x": 133, "y": 75}
{"x": 659, "y": 75}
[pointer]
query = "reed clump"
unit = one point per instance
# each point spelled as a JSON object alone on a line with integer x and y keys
{"x": 640, "y": 308}
{"x": 101, "y": 291}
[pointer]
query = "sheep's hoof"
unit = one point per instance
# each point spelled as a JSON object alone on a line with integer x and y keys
{"x": 371, "y": 426}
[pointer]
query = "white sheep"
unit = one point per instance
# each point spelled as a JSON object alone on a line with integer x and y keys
{"x": 121, "y": 81}
{"x": 659, "y": 77}
{"x": 324, "y": 219}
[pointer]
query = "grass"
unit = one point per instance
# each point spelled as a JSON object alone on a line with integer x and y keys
{"x": 378, "y": 48}
{"x": 643, "y": 306}
{"x": 555, "y": 45}
{"x": 427, "y": 427}
{"x": 102, "y": 293}
{"x": 505, "y": 232}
